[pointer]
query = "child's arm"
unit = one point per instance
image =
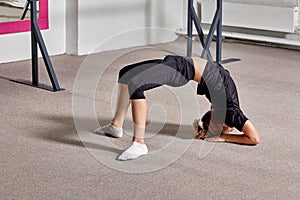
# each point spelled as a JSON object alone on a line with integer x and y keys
{"x": 250, "y": 136}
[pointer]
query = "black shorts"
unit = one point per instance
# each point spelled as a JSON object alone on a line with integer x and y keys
{"x": 173, "y": 71}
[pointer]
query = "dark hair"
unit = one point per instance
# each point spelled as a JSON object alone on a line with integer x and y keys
{"x": 202, "y": 130}
{"x": 209, "y": 128}
{"x": 206, "y": 120}
{"x": 212, "y": 123}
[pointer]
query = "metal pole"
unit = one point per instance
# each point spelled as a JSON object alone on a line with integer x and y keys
{"x": 206, "y": 53}
{"x": 189, "y": 29}
{"x": 197, "y": 24}
{"x": 25, "y": 9}
{"x": 34, "y": 47}
{"x": 46, "y": 57}
{"x": 37, "y": 40}
{"x": 219, "y": 33}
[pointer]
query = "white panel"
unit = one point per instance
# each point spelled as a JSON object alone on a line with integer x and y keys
{"x": 120, "y": 23}
{"x": 282, "y": 19}
{"x": 291, "y": 39}
{"x": 278, "y": 3}
{"x": 72, "y": 27}
{"x": 100, "y": 20}
{"x": 297, "y": 18}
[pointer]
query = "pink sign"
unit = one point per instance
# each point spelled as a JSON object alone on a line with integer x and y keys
{"x": 24, "y": 25}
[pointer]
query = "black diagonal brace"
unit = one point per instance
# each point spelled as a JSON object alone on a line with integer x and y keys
{"x": 37, "y": 41}
{"x": 205, "y": 42}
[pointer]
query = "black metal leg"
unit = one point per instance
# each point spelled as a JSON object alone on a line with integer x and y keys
{"x": 34, "y": 49}
{"x": 46, "y": 57}
{"x": 190, "y": 31}
{"x": 25, "y": 9}
{"x": 210, "y": 36}
{"x": 35, "y": 69}
{"x": 216, "y": 25}
{"x": 37, "y": 41}
{"x": 219, "y": 33}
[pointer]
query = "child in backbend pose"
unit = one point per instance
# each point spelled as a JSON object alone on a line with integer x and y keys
{"x": 213, "y": 81}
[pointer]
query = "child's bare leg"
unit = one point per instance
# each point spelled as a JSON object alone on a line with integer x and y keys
{"x": 122, "y": 106}
{"x": 115, "y": 128}
{"x": 139, "y": 115}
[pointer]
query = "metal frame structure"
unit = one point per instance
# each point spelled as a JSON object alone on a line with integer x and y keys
{"x": 205, "y": 41}
{"x": 37, "y": 40}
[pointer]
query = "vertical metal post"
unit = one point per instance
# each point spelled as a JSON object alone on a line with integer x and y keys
{"x": 37, "y": 41}
{"x": 219, "y": 33}
{"x": 34, "y": 47}
{"x": 189, "y": 29}
{"x": 47, "y": 61}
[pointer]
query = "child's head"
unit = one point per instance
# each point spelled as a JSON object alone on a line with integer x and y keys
{"x": 212, "y": 128}
{"x": 202, "y": 130}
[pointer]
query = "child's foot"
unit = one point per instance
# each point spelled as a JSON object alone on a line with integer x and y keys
{"x": 134, "y": 151}
{"x": 111, "y": 130}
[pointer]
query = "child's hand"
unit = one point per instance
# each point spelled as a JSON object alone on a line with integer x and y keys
{"x": 200, "y": 135}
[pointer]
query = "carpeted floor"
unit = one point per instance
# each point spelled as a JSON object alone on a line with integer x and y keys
{"x": 49, "y": 151}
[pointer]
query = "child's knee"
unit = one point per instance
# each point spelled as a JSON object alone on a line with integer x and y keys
{"x": 135, "y": 91}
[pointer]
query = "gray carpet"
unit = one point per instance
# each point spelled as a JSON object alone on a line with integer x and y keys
{"x": 49, "y": 151}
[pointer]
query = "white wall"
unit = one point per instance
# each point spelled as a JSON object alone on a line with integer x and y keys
{"x": 80, "y": 26}
{"x": 14, "y": 47}
{"x": 72, "y": 27}
{"x": 125, "y": 23}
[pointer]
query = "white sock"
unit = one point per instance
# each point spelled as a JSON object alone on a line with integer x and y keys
{"x": 111, "y": 130}
{"x": 134, "y": 151}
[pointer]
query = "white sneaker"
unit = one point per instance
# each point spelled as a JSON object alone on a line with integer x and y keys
{"x": 134, "y": 151}
{"x": 111, "y": 130}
